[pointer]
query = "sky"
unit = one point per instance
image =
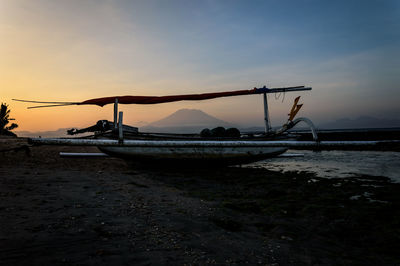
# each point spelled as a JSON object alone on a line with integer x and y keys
{"x": 347, "y": 51}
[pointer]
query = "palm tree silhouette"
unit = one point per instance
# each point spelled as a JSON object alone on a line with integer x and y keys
{"x": 5, "y": 119}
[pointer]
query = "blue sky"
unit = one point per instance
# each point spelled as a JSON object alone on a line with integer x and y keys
{"x": 348, "y": 51}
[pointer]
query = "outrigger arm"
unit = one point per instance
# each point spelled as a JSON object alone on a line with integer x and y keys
{"x": 294, "y": 110}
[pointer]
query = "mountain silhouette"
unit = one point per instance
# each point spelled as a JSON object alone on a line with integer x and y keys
{"x": 186, "y": 121}
{"x": 189, "y": 117}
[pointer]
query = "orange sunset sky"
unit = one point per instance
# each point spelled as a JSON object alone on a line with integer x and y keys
{"x": 77, "y": 50}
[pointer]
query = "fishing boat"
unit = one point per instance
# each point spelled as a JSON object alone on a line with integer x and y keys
{"x": 216, "y": 146}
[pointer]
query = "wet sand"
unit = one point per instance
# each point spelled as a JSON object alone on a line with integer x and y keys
{"x": 103, "y": 211}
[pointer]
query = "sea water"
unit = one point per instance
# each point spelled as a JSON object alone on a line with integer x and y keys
{"x": 332, "y": 164}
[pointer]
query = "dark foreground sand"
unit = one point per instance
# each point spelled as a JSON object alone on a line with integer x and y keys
{"x": 58, "y": 211}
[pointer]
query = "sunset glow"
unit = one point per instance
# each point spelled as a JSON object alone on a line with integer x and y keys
{"x": 77, "y": 50}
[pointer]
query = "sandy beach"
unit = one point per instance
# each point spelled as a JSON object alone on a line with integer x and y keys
{"x": 104, "y": 211}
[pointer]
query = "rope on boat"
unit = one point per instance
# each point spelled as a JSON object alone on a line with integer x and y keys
{"x": 279, "y": 95}
{"x": 48, "y": 104}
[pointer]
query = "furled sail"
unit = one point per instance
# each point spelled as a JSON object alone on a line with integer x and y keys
{"x": 166, "y": 99}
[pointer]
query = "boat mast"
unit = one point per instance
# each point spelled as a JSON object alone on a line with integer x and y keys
{"x": 266, "y": 115}
{"x": 115, "y": 114}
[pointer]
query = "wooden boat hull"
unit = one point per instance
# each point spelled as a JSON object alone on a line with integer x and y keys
{"x": 182, "y": 151}
{"x": 220, "y": 155}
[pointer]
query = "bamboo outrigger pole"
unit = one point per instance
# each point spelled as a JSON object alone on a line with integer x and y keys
{"x": 210, "y": 143}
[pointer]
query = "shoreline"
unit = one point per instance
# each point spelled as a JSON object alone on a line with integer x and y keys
{"x": 91, "y": 211}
